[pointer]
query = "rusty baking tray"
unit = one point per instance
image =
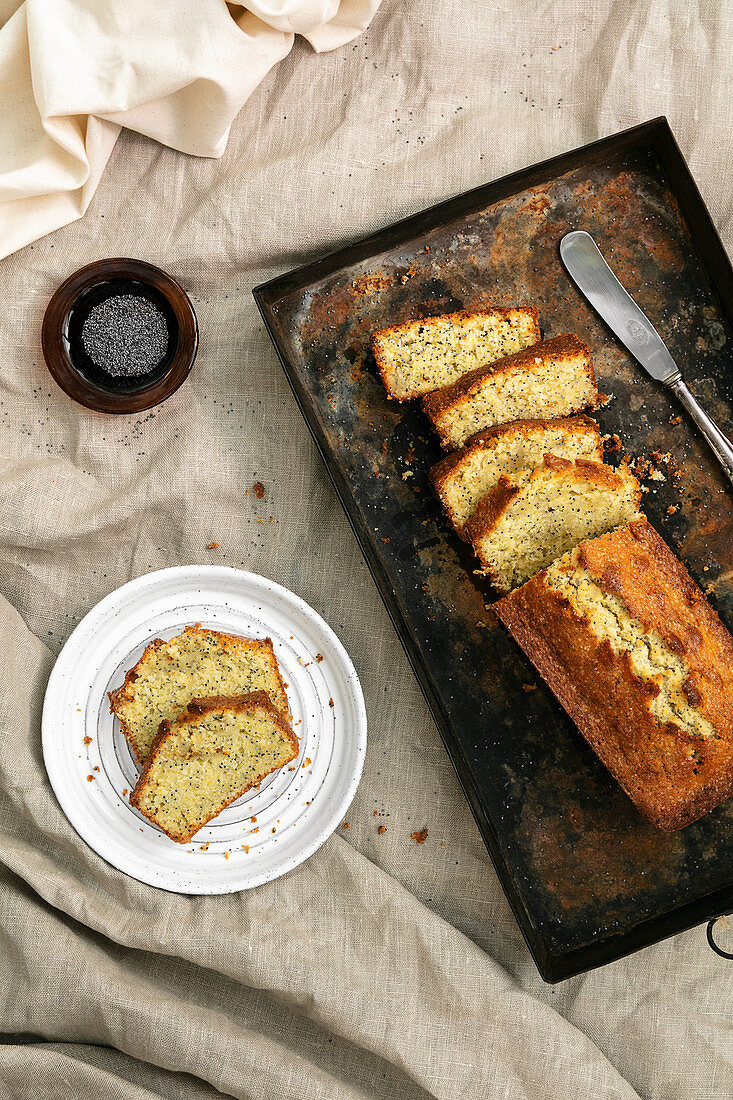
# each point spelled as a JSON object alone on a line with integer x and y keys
{"x": 588, "y": 880}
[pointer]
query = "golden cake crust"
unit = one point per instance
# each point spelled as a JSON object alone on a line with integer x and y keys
{"x": 673, "y": 777}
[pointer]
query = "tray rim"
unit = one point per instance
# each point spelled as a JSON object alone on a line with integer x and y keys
{"x": 657, "y": 136}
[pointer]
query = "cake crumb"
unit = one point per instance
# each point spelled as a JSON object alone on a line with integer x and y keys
{"x": 382, "y": 829}
{"x": 529, "y": 687}
{"x": 331, "y": 703}
{"x": 90, "y": 778}
{"x": 213, "y": 546}
{"x": 259, "y": 490}
{"x": 672, "y": 509}
{"x": 421, "y": 836}
{"x": 226, "y": 855}
{"x": 124, "y": 792}
{"x": 87, "y": 740}
{"x": 319, "y": 657}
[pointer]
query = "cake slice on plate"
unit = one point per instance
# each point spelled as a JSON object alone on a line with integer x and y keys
{"x": 212, "y": 754}
{"x": 196, "y": 663}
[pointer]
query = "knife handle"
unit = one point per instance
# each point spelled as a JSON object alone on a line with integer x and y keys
{"x": 719, "y": 444}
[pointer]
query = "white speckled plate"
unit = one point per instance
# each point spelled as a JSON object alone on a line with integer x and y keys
{"x": 296, "y": 809}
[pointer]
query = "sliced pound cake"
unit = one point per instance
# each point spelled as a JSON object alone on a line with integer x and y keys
{"x": 527, "y": 521}
{"x": 213, "y": 753}
{"x": 198, "y": 662}
{"x": 419, "y": 356}
{"x": 464, "y": 477}
{"x": 554, "y": 378}
{"x": 642, "y": 664}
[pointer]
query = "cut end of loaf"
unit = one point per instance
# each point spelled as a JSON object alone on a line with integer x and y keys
{"x": 637, "y": 656}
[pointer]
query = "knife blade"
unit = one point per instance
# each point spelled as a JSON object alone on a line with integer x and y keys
{"x": 594, "y": 278}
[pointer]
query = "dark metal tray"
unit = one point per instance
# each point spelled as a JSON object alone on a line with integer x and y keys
{"x": 588, "y": 880}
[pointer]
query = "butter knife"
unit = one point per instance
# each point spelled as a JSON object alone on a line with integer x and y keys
{"x": 597, "y": 282}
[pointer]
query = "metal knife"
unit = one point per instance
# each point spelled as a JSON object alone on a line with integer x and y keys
{"x": 594, "y": 278}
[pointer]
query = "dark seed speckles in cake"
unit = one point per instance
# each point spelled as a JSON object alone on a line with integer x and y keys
{"x": 125, "y": 336}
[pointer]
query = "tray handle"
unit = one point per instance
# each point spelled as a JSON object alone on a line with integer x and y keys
{"x": 718, "y": 950}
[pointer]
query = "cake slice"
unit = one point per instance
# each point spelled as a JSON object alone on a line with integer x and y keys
{"x": 527, "y": 521}
{"x": 642, "y": 664}
{"x": 464, "y": 477}
{"x": 198, "y": 662}
{"x": 554, "y": 378}
{"x": 419, "y": 356}
{"x": 212, "y": 754}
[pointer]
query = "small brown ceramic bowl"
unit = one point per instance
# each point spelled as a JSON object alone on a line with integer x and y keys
{"x": 79, "y": 375}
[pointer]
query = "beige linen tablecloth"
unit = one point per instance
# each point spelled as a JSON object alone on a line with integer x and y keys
{"x": 380, "y": 969}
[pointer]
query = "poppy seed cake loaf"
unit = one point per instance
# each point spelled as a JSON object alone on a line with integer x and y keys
{"x": 419, "y": 356}
{"x": 552, "y": 379}
{"x": 642, "y": 664}
{"x": 212, "y": 754}
{"x": 527, "y": 521}
{"x": 465, "y": 476}
{"x": 196, "y": 663}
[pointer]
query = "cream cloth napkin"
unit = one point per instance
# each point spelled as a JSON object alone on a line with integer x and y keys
{"x": 73, "y": 72}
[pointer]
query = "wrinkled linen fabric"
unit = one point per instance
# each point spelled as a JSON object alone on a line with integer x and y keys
{"x": 73, "y": 72}
{"x": 380, "y": 969}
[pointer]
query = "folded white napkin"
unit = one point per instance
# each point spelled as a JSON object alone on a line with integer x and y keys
{"x": 73, "y": 72}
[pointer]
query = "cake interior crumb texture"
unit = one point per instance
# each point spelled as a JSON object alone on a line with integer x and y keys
{"x": 465, "y": 477}
{"x": 211, "y": 755}
{"x": 197, "y": 663}
{"x": 419, "y": 356}
{"x": 528, "y": 521}
{"x": 553, "y": 379}
{"x": 650, "y": 657}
